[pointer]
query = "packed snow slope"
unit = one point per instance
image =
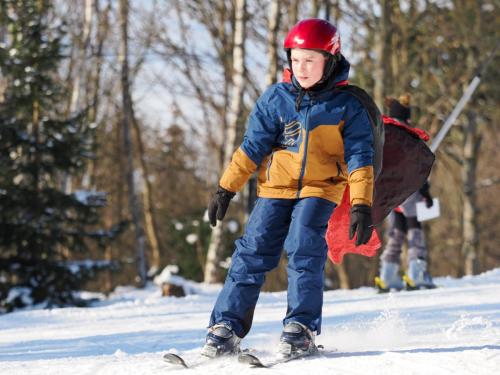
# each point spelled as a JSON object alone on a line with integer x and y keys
{"x": 454, "y": 329}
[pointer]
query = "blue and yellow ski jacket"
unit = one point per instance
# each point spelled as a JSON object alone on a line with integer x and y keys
{"x": 312, "y": 150}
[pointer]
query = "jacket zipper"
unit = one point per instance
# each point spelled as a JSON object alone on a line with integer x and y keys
{"x": 304, "y": 159}
{"x": 269, "y": 166}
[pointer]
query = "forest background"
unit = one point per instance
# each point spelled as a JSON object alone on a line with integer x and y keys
{"x": 118, "y": 116}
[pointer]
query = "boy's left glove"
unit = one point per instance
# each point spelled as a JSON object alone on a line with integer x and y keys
{"x": 361, "y": 223}
{"x": 426, "y": 193}
{"x": 219, "y": 204}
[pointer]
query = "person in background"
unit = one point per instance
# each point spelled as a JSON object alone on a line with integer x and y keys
{"x": 403, "y": 225}
{"x": 308, "y": 142}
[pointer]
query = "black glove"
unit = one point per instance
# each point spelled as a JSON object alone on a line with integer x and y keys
{"x": 218, "y": 206}
{"x": 425, "y": 192}
{"x": 361, "y": 223}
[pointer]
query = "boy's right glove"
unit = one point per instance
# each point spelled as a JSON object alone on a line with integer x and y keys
{"x": 219, "y": 204}
{"x": 360, "y": 223}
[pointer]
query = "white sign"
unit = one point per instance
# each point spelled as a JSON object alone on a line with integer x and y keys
{"x": 427, "y": 213}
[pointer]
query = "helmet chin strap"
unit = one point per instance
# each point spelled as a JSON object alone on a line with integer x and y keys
{"x": 330, "y": 65}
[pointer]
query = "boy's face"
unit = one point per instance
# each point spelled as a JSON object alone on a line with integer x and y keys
{"x": 307, "y": 66}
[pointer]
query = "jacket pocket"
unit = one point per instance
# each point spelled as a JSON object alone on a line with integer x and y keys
{"x": 340, "y": 172}
{"x": 339, "y": 169}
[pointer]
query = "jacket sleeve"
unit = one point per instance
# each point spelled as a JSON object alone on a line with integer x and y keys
{"x": 261, "y": 134}
{"x": 358, "y": 154}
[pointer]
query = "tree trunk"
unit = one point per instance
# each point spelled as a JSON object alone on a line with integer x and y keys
{"x": 3, "y": 40}
{"x": 343, "y": 276}
{"x": 334, "y": 12}
{"x": 272, "y": 41}
{"x": 126, "y": 122}
{"x": 94, "y": 84}
{"x": 238, "y": 79}
{"x": 382, "y": 49}
{"x": 76, "y": 71}
{"x": 315, "y": 8}
{"x": 470, "y": 231}
{"x": 81, "y": 55}
{"x": 147, "y": 201}
{"x": 212, "y": 274}
{"x": 378, "y": 90}
{"x": 293, "y": 13}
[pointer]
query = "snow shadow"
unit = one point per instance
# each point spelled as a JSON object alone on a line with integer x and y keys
{"x": 130, "y": 343}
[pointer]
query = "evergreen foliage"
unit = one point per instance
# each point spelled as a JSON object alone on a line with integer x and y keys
{"x": 41, "y": 224}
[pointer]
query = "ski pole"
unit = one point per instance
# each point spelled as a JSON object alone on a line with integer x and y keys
{"x": 461, "y": 103}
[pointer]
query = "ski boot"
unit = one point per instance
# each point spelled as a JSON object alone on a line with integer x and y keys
{"x": 417, "y": 276}
{"x": 296, "y": 341}
{"x": 221, "y": 340}
{"x": 389, "y": 278}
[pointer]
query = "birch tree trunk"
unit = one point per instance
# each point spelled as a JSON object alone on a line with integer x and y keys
{"x": 76, "y": 71}
{"x": 126, "y": 123}
{"x": 214, "y": 255}
{"x": 94, "y": 84}
{"x": 81, "y": 55}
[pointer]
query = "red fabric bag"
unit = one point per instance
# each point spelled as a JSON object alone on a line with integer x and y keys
{"x": 407, "y": 162}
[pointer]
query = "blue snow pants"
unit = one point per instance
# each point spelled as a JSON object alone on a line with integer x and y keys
{"x": 299, "y": 227}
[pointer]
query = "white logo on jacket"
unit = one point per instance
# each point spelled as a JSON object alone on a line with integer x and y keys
{"x": 291, "y": 133}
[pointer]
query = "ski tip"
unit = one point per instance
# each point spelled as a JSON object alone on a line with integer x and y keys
{"x": 250, "y": 359}
{"x": 174, "y": 359}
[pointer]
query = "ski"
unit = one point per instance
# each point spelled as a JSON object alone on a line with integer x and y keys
{"x": 410, "y": 284}
{"x": 254, "y": 361}
{"x": 245, "y": 357}
{"x": 177, "y": 360}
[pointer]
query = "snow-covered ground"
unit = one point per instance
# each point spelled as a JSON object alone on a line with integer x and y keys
{"x": 454, "y": 329}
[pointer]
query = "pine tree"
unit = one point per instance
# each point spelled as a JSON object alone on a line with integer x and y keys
{"x": 41, "y": 225}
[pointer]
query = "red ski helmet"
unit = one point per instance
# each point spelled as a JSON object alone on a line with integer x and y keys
{"x": 314, "y": 33}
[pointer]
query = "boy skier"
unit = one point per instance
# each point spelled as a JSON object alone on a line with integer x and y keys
{"x": 308, "y": 141}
